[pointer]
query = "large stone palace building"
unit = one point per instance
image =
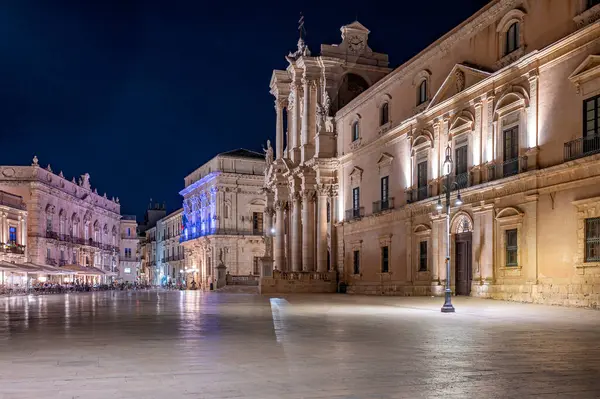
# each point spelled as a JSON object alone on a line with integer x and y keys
{"x": 64, "y": 227}
{"x": 223, "y": 217}
{"x": 511, "y": 97}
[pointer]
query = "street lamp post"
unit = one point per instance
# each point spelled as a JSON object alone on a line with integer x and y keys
{"x": 447, "y": 170}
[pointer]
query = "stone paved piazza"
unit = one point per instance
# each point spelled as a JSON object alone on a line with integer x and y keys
{"x": 215, "y": 345}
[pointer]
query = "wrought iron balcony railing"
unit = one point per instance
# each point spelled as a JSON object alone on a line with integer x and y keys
{"x": 12, "y": 248}
{"x": 355, "y": 213}
{"x": 62, "y": 262}
{"x": 384, "y": 205}
{"x": 460, "y": 181}
{"x": 418, "y": 194}
{"x": 51, "y": 261}
{"x": 221, "y": 232}
{"x": 582, "y": 147}
{"x": 507, "y": 168}
{"x": 52, "y": 234}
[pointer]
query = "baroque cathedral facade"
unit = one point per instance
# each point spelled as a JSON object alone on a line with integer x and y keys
{"x": 511, "y": 97}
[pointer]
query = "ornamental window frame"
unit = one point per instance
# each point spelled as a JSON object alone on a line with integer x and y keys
{"x": 385, "y": 241}
{"x": 586, "y": 209}
{"x": 508, "y": 21}
{"x": 509, "y": 218}
{"x": 422, "y": 233}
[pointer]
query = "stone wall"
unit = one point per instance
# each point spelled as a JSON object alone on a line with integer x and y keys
{"x": 298, "y": 283}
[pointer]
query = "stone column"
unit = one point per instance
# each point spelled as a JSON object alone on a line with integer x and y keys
{"x": 23, "y": 230}
{"x": 322, "y": 229}
{"x": 3, "y": 229}
{"x": 267, "y": 227}
{"x": 409, "y": 249}
{"x": 279, "y": 129}
{"x": 305, "y": 120}
{"x": 532, "y": 122}
{"x": 279, "y": 235}
{"x": 308, "y": 235}
{"x": 296, "y": 235}
{"x": 477, "y": 150}
{"x": 332, "y": 229}
{"x": 438, "y": 231}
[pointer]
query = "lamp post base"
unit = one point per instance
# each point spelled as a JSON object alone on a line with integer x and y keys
{"x": 448, "y": 308}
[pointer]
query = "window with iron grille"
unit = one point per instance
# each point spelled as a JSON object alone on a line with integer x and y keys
{"x": 423, "y": 256}
{"x": 356, "y": 262}
{"x": 384, "y": 191}
{"x": 356, "y": 198}
{"x": 511, "y": 247}
{"x": 385, "y": 259}
{"x": 592, "y": 240}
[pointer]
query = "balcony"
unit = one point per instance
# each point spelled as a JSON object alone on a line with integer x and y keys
{"x": 355, "y": 213}
{"x": 417, "y": 194}
{"x": 174, "y": 258}
{"x": 52, "y": 234}
{"x": 507, "y": 168}
{"x": 62, "y": 262}
{"x": 460, "y": 181}
{"x": 12, "y": 248}
{"x": 51, "y": 261}
{"x": 381, "y": 206}
{"x": 221, "y": 232}
{"x": 582, "y": 147}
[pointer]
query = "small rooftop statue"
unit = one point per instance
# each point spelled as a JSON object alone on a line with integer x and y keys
{"x": 117, "y": 200}
{"x": 85, "y": 181}
{"x": 61, "y": 174}
{"x": 48, "y": 168}
{"x": 35, "y": 161}
{"x": 268, "y": 153}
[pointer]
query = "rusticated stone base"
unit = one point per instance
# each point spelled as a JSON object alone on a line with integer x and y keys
{"x": 580, "y": 291}
{"x": 298, "y": 283}
{"x": 395, "y": 289}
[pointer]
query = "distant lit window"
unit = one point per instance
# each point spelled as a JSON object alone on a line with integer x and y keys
{"x": 12, "y": 235}
{"x": 127, "y": 270}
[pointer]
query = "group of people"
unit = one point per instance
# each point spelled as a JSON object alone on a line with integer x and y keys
{"x": 180, "y": 285}
{"x": 48, "y": 287}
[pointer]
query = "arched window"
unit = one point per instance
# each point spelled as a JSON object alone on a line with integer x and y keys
{"x": 422, "y": 92}
{"x": 384, "y": 116}
{"x": 355, "y": 131}
{"x": 512, "y": 38}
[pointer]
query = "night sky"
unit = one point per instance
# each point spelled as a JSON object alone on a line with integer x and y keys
{"x": 140, "y": 93}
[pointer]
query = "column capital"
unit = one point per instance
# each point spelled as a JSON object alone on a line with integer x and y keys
{"x": 309, "y": 195}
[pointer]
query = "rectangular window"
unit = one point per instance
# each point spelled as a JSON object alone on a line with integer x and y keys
{"x": 384, "y": 191}
{"x": 591, "y": 124}
{"x": 511, "y": 151}
{"x": 423, "y": 256}
{"x": 257, "y": 222}
{"x": 62, "y": 254}
{"x": 127, "y": 270}
{"x": 328, "y": 212}
{"x": 48, "y": 253}
{"x": 511, "y": 247}
{"x": 356, "y": 262}
{"x": 385, "y": 264}
{"x": 74, "y": 257}
{"x": 128, "y": 232}
{"x": 592, "y": 240}
{"x": 356, "y": 198}
{"x": 12, "y": 235}
{"x": 422, "y": 180}
{"x": 255, "y": 266}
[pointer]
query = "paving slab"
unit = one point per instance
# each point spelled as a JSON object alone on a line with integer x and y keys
{"x": 196, "y": 344}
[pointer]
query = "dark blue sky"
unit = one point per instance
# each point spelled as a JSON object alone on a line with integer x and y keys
{"x": 139, "y": 93}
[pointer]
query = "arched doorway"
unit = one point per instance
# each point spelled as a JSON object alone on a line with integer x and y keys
{"x": 463, "y": 231}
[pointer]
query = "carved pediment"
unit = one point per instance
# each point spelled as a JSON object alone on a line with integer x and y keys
{"x": 356, "y": 176}
{"x": 461, "y": 77}
{"x": 385, "y": 159}
{"x": 588, "y": 70}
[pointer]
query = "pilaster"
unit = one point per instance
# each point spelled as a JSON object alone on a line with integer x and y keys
{"x": 308, "y": 236}
{"x": 483, "y": 242}
{"x": 296, "y": 233}
{"x": 322, "y": 192}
